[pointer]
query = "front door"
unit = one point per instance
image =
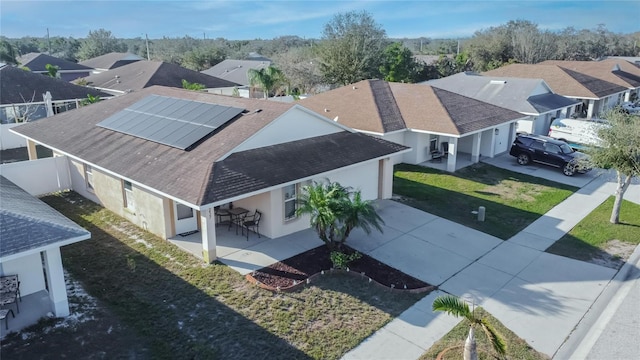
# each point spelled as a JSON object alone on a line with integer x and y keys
{"x": 185, "y": 218}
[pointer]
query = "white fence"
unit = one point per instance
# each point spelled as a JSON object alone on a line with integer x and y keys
{"x": 41, "y": 176}
{"x": 9, "y": 140}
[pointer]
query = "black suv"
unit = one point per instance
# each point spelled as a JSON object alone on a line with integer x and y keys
{"x": 545, "y": 150}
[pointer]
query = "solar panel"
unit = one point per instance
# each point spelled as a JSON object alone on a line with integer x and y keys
{"x": 170, "y": 121}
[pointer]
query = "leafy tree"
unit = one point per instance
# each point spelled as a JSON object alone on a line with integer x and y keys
{"x": 301, "y": 68}
{"x": 99, "y": 42}
{"x": 267, "y": 79}
{"x": 200, "y": 59}
{"x": 352, "y": 48}
{"x": 52, "y": 71}
{"x": 458, "y": 308}
{"x": 398, "y": 64}
{"x": 8, "y": 53}
{"x": 620, "y": 151}
{"x": 192, "y": 86}
{"x": 335, "y": 211}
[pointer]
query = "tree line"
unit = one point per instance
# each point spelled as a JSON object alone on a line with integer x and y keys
{"x": 353, "y": 47}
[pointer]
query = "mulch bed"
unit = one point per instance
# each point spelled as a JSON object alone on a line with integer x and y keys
{"x": 300, "y": 267}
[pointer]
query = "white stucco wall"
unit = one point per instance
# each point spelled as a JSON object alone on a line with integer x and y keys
{"x": 465, "y": 144}
{"x": 29, "y": 271}
{"x": 398, "y": 138}
{"x": 295, "y": 124}
{"x": 502, "y": 139}
{"x": 41, "y": 176}
{"x": 9, "y": 140}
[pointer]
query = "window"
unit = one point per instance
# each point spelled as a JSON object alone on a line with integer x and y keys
{"x": 129, "y": 202}
{"x": 88, "y": 177}
{"x": 183, "y": 212}
{"x": 433, "y": 143}
{"x": 290, "y": 196}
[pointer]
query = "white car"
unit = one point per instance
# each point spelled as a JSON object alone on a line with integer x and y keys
{"x": 574, "y": 131}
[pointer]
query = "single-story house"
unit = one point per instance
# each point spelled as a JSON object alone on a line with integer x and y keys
{"x": 532, "y": 98}
{"x": 31, "y": 234}
{"x": 236, "y": 71}
{"x": 68, "y": 70}
{"x": 617, "y": 71}
{"x": 23, "y": 98}
{"x": 142, "y": 74}
{"x": 110, "y": 61}
{"x": 431, "y": 121}
{"x": 167, "y": 158}
{"x": 595, "y": 94}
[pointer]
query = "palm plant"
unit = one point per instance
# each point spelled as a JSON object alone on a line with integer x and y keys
{"x": 335, "y": 211}
{"x": 458, "y": 308}
{"x": 52, "y": 71}
{"x": 267, "y": 79}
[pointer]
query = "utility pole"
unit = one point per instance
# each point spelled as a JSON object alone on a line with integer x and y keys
{"x": 49, "y": 41}
{"x": 458, "y": 51}
{"x": 148, "y": 55}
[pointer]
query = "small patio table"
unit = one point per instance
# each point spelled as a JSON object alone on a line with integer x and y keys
{"x": 237, "y": 213}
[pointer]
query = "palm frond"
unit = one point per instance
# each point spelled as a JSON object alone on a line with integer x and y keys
{"x": 452, "y": 306}
{"x": 494, "y": 337}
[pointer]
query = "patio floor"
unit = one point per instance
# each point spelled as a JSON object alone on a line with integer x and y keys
{"x": 463, "y": 161}
{"x": 32, "y": 308}
{"x": 246, "y": 256}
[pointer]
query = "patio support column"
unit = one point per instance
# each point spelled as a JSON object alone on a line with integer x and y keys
{"x": 31, "y": 150}
{"x": 475, "y": 148}
{"x": 590, "y": 109}
{"x": 627, "y": 95}
{"x": 208, "y": 227}
{"x": 55, "y": 282}
{"x": 451, "y": 155}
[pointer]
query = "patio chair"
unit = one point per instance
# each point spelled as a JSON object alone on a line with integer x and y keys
{"x": 3, "y": 316}
{"x": 10, "y": 291}
{"x": 221, "y": 214}
{"x": 252, "y": 222}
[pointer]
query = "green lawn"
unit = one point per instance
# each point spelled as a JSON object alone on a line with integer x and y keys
{"x": 596, "y": 239}
{"x": 516, "y": 347}
{"x": 179, "y": 307}
{"x": 512, "y": 200}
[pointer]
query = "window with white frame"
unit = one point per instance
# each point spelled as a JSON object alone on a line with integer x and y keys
{"x": 129, "y": 202}
{"x": 290, "y": 196}
{"x": 88, "y": 177}
{"x": 433, "y": 143}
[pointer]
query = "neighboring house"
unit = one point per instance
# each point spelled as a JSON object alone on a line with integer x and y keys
{"x": 236, "y": 70}
{"x": 165, "y": 158}
{"x": 143, "y": 74}
{"x": 68, "y": 71}
{"x": 596, "y": 95}
{"x": 23, "y": 98}
{"x": 110, "y": 61}
{"x": 31, "y": 234}
{"x": 619, "y": 72}
{"x": 635, "y": 60}
{"x": 423, "y": 117}
{"x": 530, "y": 97}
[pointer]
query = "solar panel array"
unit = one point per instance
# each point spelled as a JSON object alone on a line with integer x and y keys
{"x": 170, "y": 121}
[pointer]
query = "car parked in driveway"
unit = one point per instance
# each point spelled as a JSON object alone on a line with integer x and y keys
{"x": 549, "y": 151}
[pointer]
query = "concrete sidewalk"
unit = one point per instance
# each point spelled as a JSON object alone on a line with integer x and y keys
{"x": 539, "y": 296}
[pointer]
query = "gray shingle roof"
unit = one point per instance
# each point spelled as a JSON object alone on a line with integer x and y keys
{"x": 508, "y": 92}
{"x": 26, "y": 223}
{"x": 37, "y": 62}
{"x": 111, "y": 60}
{"x": 142, "y": 74}
{"x": 256, "y": 169}
{"x": 235, "y": 70}
{"x": 19, "y": 86}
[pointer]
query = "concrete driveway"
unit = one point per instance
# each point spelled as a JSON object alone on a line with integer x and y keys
{"x": 506, "y": 161}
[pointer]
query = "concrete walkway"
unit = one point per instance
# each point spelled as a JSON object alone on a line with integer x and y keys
{"x": 539, "y": 296}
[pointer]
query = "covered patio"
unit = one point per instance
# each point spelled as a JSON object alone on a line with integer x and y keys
{"x": 245, "y": 256}
{"x": 462, "y": 160}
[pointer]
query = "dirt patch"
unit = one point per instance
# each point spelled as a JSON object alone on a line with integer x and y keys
{"x": 297, "y": 269}
{"x": 614, "y": 254}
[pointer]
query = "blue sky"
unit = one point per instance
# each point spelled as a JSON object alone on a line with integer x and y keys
{"x": 240, "y": 19}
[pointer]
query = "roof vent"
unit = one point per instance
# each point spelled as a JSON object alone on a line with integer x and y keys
{"x": 498, "y": 81}
{"x": 326, "y": 110}
{"x": 354, "y": 87}
{"x": 117, "y": 76}
{"x": 335, "y": 119}
{"x": 257, "y": 110}
{"x": 245, "y": 111}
